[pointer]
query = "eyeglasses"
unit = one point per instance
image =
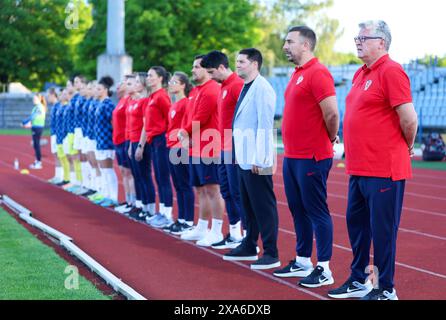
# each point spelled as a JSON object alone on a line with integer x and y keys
{"x": 363, "y": 39}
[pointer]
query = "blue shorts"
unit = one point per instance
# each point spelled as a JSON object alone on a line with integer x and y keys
{"x": 202, "y": 174}
{"x": 122, "y": 154}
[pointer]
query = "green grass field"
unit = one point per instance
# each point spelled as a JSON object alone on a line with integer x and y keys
{"x": 21, "y": 132}
{"x": 30, "y": 270}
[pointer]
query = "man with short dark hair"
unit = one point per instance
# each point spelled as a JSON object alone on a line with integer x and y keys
{"x": 253, "y": 127}
{"x": 201, "y": 124}
{"x": 217, "y": 65}
{"x": 380, "y": 126}
{"x": 309, "y": 129}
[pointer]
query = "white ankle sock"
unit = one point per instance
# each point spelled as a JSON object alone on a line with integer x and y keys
{"x": 306, "y": 262}
{"x": 168, "y": 212}
{"x": 326, "y": 266}
{"x": 202, "y": 225}
{"x": 112, "y": 183}
{"x": 217, "y": 225}
{"x": 235, "y": 231}
{"x": 58, "y": 173}
{"x": 152, "y": 208}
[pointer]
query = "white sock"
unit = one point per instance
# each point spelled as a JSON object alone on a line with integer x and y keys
{"x": 138, "y": 204}
{"x": 189, "y": 223}
{"x": 85, "y": 172}
{"x": 145, "y": 207}
{"x": 97, "y": 182}
{"x": 326, "y": 266}
{"x": 168, "y": 212}
{"x": 104, "y": 188}
{"x": 306, "y": 262}
{"x": 202, "y": 225}
{"x": 235, "y": 231}
{"x": 58, "y": 173}
{"x": 217, "y": 225}
{"x": 92, "y": 178}
{"x": 181, "y": 220}
{"x": 152, "y": 208}
{"x": 73, "y": 179}
{"x": 112, "y": 184}
{"x": 162, "y": 208}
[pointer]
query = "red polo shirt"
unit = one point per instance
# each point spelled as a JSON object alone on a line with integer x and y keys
{"x": 227, "y": 100}
{"x": 156, "y": 114}
{"x": 119, "y": 121}
{"x": 303, "y": 128}
{"x": 135, "y": 118}
{"x": 374, "y": 143}
{"x": 205, "y": 111}
{"x": 176, "y": 113}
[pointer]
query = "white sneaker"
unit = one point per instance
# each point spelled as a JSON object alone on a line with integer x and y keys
{"x": 36, "y": 165}
{"x": 194, "y": 235}
{"x": 210, "y": 239}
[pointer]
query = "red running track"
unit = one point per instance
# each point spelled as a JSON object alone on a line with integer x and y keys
{"x": 161, "y": 266}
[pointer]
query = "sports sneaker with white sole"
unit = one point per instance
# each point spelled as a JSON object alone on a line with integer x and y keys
{"x": 317, "y": 278}
{"x": 227, "y": 243}
{"x": 294, "y": 269}
{"x": 266, "y": 262}
{"x": 241, "y": 254}
{"x": 211, "y": 238}
{"x": 37, "y": 165}
{"x": 194, "y": 235}
{"x": 381, "y": 294}
{"x": 351, "y": 289}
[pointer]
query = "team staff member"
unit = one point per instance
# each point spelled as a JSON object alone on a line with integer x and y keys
{"x": 253, "y": 127}
{"x": 379, "y": 130}
{"x": 180, "y": 87}
{"x": 105, "y": 152}
{"x": 201, "y": 126}
{"x": 121, "y": 146}
{"x": 36, "y": 121}
{"x": 139, "y": 152}
{"x": 156, "y": 120}
{"x": 309, "y": 128}
{"x": 217, "y": 65}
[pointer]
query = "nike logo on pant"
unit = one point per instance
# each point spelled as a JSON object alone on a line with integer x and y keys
{"x": 385, "y": 190}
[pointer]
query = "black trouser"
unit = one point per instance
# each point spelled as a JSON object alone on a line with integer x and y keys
{"x": 36, "y": 134}
{"x": 260, "y": 206}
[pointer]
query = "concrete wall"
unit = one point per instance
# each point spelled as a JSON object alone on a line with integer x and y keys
{"x": 14, "y": 108}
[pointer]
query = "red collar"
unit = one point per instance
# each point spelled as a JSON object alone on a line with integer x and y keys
{"x": 308, "y": 64}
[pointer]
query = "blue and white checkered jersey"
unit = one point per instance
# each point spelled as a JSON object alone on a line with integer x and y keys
{"x": 103, "y": 124}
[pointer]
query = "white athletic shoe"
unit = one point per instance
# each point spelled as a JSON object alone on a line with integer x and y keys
{"x": 210, "y": 239}
{"x": 194, "y": 235}
{"x": 37, "y": 165}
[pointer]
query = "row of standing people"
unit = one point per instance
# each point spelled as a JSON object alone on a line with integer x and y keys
{"x": 235, "y": 171}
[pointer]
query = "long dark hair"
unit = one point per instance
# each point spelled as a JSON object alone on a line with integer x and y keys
{"x": 161, "y": 72}
{"x": 184, "y": 79}
{"x": 107, "y": 82}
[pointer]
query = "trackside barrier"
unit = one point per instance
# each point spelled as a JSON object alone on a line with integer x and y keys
{"x": 66, "y": 242}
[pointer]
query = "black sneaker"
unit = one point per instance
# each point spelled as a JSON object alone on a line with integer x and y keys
{"x": 168, "y": 229}
{"x": 351, "y": 289}
{"x": 180, "y": 228}
{"x": 241, "y": 254}
{"x": 227, "y": 243}
{"x": 62, "y": 183}
{"x": 87, "y": 193}
{"x": 380, "y": 294}
{"x": 317, "y": 278}
{"x": 134, "y": 213}
{"x": 293, "y": 269}
{"x": 265, "y": 262}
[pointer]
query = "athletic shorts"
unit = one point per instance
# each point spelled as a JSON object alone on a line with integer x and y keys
{"x": 85, "y": 145}
{"x": 78, "y": 137}
{"x": 122, "y": 154}
{"x": 53, "y": 144}
{"x": 68, "y": 145}
{"x": 104, "y": 154}
{"x": 203, "y": 173}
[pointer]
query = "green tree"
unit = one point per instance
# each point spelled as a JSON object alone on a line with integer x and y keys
{"x": 36, "y": 45}
{"x": 278, "y": 15}
{"x": 172, "y": 32}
